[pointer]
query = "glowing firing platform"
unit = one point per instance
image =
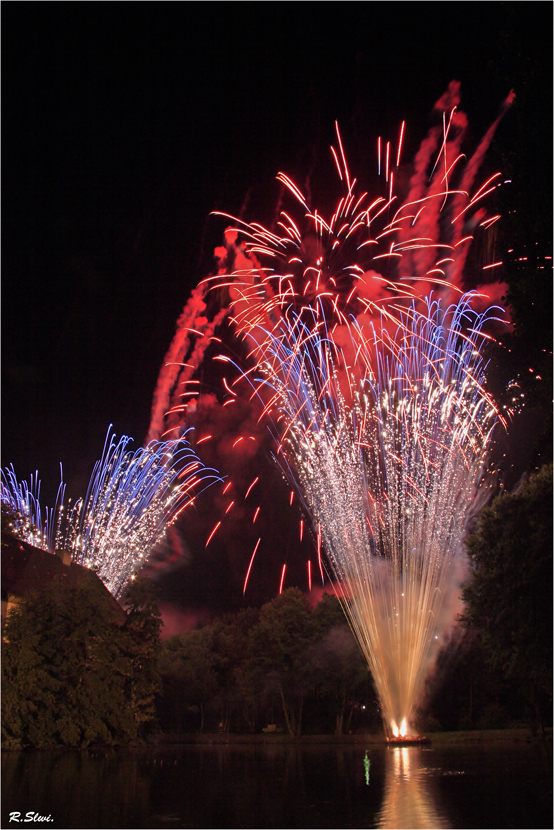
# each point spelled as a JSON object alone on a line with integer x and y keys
{"x": 415, "y": 740}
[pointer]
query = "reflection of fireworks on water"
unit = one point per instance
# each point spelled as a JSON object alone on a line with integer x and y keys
{"x": 411, "y": 797}
{"x": 365, "y": 353}
{"x": 132, "y": 499}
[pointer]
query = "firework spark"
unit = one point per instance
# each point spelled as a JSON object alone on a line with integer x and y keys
{"x": 388, "y": 471}
{"x": 132, "y": 500}
{"x": 374, "y": 389}
{"x": 365, "y": 354}
{"x": 28, "y": 522}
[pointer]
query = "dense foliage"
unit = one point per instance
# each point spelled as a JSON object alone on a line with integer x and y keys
{"x": 509, "y": 595}
{"x": 75, "y": 672}
{"x": 287, "y": 664}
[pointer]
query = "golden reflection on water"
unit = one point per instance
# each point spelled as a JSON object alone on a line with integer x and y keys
{"x": 410, "y": 798}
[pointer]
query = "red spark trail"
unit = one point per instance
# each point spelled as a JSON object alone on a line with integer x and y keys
{"x": 282, "y": 579}
{"x": 309, "y": 259}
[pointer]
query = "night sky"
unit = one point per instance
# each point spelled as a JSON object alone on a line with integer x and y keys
{"x": 125, "y": 125}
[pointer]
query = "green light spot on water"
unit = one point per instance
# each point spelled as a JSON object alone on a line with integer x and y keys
{"x": 366, "y": 767}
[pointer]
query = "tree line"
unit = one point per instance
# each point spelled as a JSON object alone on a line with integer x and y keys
{"x": 74, "y": 673}
{"x": 302, "y": 667}
{"x": 286, "y": 664}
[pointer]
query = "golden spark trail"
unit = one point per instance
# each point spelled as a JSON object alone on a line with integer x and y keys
{"x": 405, "y": 457}
{"x": 373, "y": 385}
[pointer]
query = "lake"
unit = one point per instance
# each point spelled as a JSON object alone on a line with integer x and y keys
{"x": 278, "y": 785}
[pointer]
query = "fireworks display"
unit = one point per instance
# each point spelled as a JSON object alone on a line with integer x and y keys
{"x": 22, "y": 501}
{"x": 365, "y": 353}
{"x": 387, "y": 471}
{"x": 362, "y": 351}
{"x": 132, "y": 499}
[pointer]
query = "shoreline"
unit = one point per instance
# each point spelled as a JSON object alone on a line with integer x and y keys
{"x": 436, "y": 739}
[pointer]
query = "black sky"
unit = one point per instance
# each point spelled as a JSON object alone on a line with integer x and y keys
{"x": 124, "y": 125}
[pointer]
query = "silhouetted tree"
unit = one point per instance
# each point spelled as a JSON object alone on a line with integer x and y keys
{"x": 338, "y": 666}
{"x": 235, "y": 695}
{"x": 278, "y": 648}
{"x": 141, "y": 643}
{"x": 73, "y": 673}
{"x": 509, "y": 595}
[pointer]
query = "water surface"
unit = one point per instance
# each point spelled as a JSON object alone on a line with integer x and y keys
{"x": 282, "y": 786}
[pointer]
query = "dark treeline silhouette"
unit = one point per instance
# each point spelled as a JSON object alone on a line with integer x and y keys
{"x": 286, "y": 666}
{"x": 79, "y": 671}
{"x": 301, "y": 668}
